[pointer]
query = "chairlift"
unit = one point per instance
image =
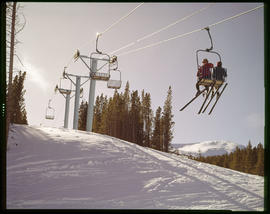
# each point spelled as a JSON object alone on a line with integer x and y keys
{"x": 63, "y": 88}
{"x": 49, "y": 112}
{"x": 115, "y": 84}
{"x": 210, "y": 82}
{"x": 98, "y": 56}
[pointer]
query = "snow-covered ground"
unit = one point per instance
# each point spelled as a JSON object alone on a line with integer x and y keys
{"x": 50, "y": 168}
{"x": 207, "y": 148}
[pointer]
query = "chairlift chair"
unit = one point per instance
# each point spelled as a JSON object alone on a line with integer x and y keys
{"x": 98, "y": 75}
{"x": 209, "y": 82}
{"x": 115, "y": 84}
{"x": 49, "y": 112}
{"x": 98, "y": 56}
{"x": 63, "y": 89}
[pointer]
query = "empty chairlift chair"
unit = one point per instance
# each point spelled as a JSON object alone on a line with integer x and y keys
{"x": 65, "y": 85}
{"x": 115, "y": 84}
{"x": 49, "y": 112}
{"x": 102, "y": 70}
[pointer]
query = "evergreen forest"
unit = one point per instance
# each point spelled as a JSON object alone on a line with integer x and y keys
{"x": 249, "y": 159}
{"x": 17, "y": 106}
{"x": 128, "y": 116}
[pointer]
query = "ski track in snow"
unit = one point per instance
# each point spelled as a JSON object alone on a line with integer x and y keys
{"x": 66, "y": 169}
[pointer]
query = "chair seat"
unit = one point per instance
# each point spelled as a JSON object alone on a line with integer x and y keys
{"x": 116, "y": 84}
{"x": 49, "y": 117}
{"x": 100, "y": 76}
{"x": 64, "y": 91}
{"x": 209, "y": 82}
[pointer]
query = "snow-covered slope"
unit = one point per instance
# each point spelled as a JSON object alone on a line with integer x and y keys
{"x": 207, "y": 148}
{"x": 67, "y": 169}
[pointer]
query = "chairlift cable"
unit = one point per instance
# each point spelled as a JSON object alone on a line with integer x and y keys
{"x": 191, "y": 32}
{"x": 132, "y": 11}
{"x": 122, "y": 18}
{"x": 176, "y": 22}
{"x": 158, "y": 43}
{"x": 237, "y": 15}
{"x": 163, "y": 28}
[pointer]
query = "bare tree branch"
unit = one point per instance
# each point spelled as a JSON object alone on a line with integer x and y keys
{"x": 17, "y": 42}
{"x": 19, "y": 59}
{"x": 22, "y": 26}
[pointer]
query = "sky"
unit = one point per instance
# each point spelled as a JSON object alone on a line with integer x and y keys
{"x": 54, "y": 31}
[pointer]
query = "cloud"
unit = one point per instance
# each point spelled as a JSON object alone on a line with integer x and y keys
{"x": 35, "y": 75}
{"x": 255, "y": 120}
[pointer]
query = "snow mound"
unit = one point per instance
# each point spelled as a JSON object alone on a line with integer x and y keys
{"x": 207, "y": 148}
{"x": 50, "y": 168}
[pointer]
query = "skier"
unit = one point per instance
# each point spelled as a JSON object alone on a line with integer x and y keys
{"x": 203, "y": 73}
{"x": 219, "y": 73}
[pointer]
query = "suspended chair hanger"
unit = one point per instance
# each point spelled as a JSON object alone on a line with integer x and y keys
{"x": 208, "y": 50}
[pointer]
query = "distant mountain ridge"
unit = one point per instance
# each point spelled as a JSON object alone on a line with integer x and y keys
{"x": 206, "y": 148}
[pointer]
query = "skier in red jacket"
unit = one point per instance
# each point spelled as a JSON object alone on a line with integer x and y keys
{"x": 204, "y": 73}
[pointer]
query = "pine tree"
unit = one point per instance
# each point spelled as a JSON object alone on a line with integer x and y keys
{"x": 18, "y": 113}
{"x": 167, "y": 121}
{"x": 116, "y": 115}
{"x": 82, "y": 116}
{"x": 97, "y": 113}
{"x": 226, "y": 161}
{"x": 104, "y": 117}
{"x": 126, "y": 119}
{"x": 109, "y": 117}
{"x": 121, "y": 116}
{"x": 155, "y": 141}
{"x": 136, "y": 119}
{"x": 147, "y": 118}
{"x": 127, "y": 97}
{"x": 236, "y": 160}
{"x": 248, "y": 159}
{"x": 259, "y": 167}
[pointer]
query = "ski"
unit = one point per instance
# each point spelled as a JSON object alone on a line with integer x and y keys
{"x": 192, "y": 100}
{"x": 211, "y": 98}
{"x": 218, "y": 98}
{"x": 207, "y": 95}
